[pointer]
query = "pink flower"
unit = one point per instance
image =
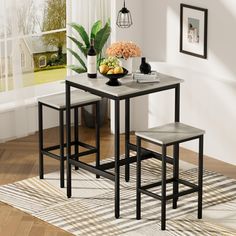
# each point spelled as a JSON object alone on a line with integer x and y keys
{"x": 123, "y": 49}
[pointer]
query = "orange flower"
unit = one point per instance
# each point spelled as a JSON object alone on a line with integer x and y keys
{"x": 123, "y": 49}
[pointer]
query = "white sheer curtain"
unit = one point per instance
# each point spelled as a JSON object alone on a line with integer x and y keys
{"x": 86, "y": 12}
{"x": 13, "y": 60}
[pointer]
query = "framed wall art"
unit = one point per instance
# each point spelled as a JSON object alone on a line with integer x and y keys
{"x": 193, "y": 30}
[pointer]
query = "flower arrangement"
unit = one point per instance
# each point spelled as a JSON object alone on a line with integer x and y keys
{"x": 124, "y": 50}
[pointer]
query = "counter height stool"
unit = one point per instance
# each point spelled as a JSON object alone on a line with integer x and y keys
{"x": 164, "y": 136}
{"x": 57, "y": 102}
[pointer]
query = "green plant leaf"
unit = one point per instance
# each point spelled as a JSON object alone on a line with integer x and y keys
{"x": 77, "y": 69}
{"x": 82, "y": 48}
{"x": 83, "y": 34}
{"x": 102, "y": 37}
{"x": 95, "y": 28}
{"x": 78, "y": 58}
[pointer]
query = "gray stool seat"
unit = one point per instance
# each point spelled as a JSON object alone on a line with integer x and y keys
{"x": 170, "y": 133}
{"x": 164, "y": 136}
{"x": 78, "y": 98}
{"x": 58, "y": 102}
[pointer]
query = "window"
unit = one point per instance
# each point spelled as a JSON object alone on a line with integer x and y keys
{"x": 22, "y": 60}
{"x": 42, "y": 61}
{"x": 32, "y": 38}
{"x": 54, "y": 56}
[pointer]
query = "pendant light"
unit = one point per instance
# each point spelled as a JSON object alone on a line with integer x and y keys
{"x": 124, "y": 19}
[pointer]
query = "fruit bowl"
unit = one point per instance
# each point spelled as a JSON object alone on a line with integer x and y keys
{"x": 113, "y": 78}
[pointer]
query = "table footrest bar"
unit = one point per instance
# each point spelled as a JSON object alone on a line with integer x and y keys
{"x": 132, "y": 159}
{"x": 156, "y": 184}
{"x": 154, "y": 154}
{"x": 93, "y": 169}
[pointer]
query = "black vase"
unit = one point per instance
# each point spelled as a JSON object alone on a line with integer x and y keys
{"x": 145, "y": 68}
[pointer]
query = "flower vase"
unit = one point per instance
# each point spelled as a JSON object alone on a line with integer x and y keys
{"x": 127, "y": 64}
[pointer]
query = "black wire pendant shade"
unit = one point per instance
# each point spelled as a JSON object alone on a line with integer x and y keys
{"x": 124, "y": 19}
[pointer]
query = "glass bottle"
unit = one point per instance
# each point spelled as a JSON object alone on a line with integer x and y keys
{"x": 92, "y": 61}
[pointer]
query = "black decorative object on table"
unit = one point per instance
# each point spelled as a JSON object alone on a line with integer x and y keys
{"x": 145, "y": 67}
{"x": 113, "y": 78}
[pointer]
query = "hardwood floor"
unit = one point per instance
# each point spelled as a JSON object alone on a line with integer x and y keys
{"x": 19, "y": 160}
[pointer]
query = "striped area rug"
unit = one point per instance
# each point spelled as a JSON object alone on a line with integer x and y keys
{"x": 90, "y": 211}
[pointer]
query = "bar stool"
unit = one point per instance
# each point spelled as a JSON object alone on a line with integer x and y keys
{"x": 57, "y": 102}
{"x": 164, "y": 136}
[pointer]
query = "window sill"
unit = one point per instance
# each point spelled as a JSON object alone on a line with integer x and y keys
{"x": 27, "y": 97}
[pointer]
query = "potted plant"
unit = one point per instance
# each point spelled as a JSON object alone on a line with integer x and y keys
{"x": 100, "y": 34}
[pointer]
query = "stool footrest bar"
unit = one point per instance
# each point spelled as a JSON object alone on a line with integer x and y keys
{"x": 153, "y": 154}
{"x": 141, "y": 190}
{"x": 187, "y": 183}
{"x": 193, "y": 188}
{"x": 185, "y": 192}
{"x": 84, "y": 153}
{"x": 156, "y": 184}
{"x": 85, "y": 145}
{"x": 52, "y": 155}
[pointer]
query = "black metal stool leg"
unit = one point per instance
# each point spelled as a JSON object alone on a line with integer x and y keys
{"x": 175, "y": 174}
{"x": 200, "y": 177}
{"x": 163, "y": 189}
{"x": 68, "y": 137}
{"x": 76, "y": 134}
{"x": 61, "y": 130}
{"x": 40, "y": 123}
{"x": 138, "y": 180}
{"x": 97, "y": 125}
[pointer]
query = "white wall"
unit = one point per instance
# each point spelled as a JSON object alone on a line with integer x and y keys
{"x": 11, "y": 113}
{"x": 209, "y": 93}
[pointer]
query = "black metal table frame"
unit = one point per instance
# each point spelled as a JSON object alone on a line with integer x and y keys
{"x": 102, "y": 169}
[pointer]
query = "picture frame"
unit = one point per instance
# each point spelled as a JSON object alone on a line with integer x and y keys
{"x": 193, "y": 30}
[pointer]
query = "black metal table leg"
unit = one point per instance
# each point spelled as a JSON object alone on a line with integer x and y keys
{"x": 97, "y": 127}
{"x": 68, "y": 138}
{"x": 127, "y": 137}
{"x": 117, "y": 158}
{"x": 200, "y": 177}
{"x": 176, "y": 148}
{"x": 76, "y": 133}
{"x": 163, "y": 189}
{"x": 138, "y": 180}
{"x": 175, "y": 174}
{"x": 40, "y": 123}
{"x": 177, "y": 103}
{"x": 61, "y": 131}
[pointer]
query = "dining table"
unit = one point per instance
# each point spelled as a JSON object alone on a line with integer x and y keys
{"x": 129, "y": 88}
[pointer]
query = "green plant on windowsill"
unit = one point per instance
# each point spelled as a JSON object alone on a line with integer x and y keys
{"x": 98, "y": 33}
